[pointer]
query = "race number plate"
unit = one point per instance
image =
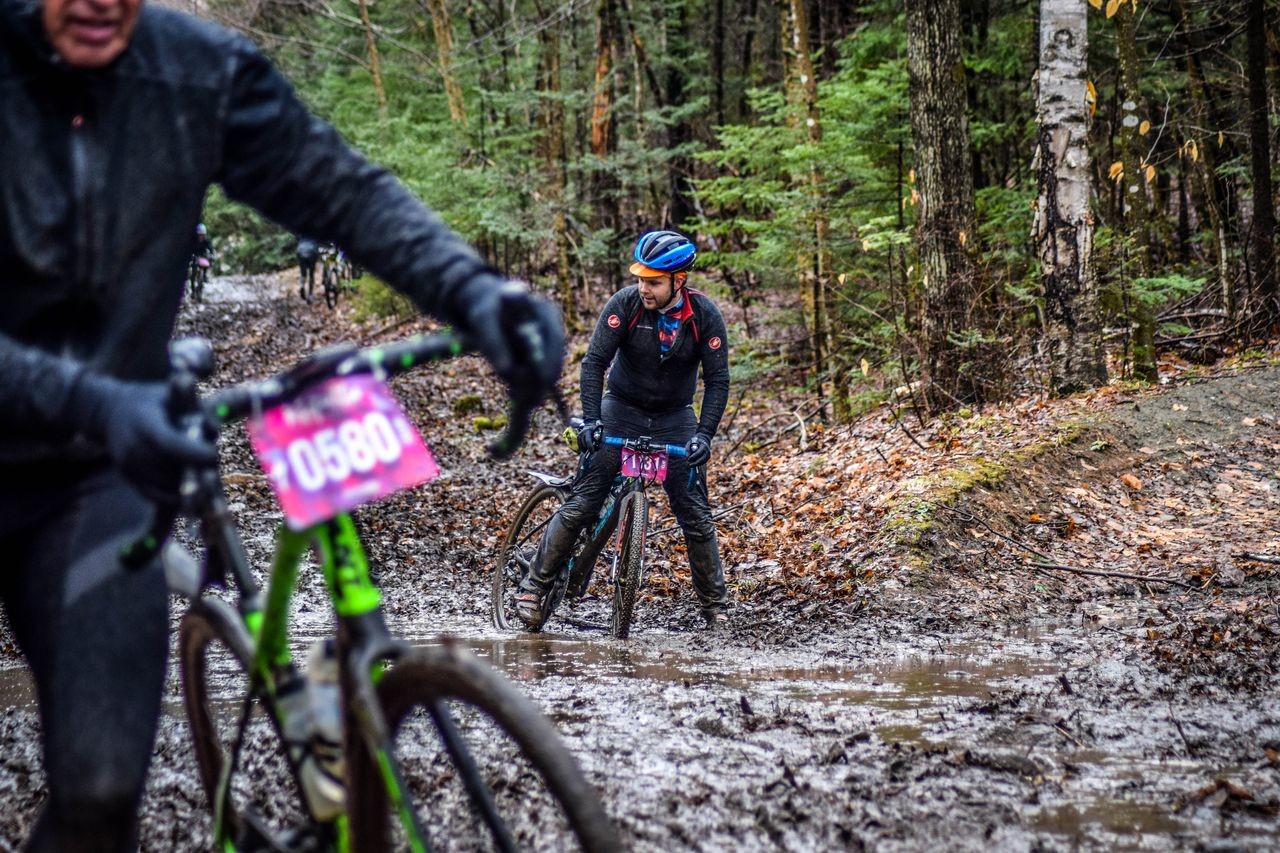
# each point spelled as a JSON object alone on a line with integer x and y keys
{"x": 647, "y": 466}
{"x": 345, "y": 443}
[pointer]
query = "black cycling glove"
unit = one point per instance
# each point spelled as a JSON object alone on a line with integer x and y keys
{"x": 698, "y": 449}
{"x": 590, "y": 436}
{"x": 133, "y": 422}
{"x": 521, "y": 335}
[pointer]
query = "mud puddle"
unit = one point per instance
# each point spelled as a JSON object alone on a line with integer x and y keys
{"x": 971, "y": 707}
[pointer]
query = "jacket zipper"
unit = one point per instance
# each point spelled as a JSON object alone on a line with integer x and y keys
{"x": 81, "y": 193}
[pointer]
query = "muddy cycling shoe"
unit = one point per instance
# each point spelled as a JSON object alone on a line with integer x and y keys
{"x": 715, "y": 620}
{"x": 529, "y": 609}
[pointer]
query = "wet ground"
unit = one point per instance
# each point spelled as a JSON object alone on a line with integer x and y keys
{"x": 809, "y": 727}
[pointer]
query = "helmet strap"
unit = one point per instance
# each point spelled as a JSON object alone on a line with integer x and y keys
{"x": 677, "y": 284}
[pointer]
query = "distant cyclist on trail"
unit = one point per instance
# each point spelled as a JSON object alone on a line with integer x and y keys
{"x": 203, "y": 247}
{"x": 116, "y": 119}
{"x": 308, "y": 256}
{"x": 657, "y": 334}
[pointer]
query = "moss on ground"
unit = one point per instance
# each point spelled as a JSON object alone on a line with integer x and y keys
{"x": 913, "y": 512}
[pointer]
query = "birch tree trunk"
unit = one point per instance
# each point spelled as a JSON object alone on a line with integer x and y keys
{"x": 1063, "y": 227}
{"x": 946, "y": 219}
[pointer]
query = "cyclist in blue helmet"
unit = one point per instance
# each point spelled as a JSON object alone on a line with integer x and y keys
{"x": 656, "y": 334}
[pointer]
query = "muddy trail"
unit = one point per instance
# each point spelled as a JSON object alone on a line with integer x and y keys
{"x": 915, "y": 659}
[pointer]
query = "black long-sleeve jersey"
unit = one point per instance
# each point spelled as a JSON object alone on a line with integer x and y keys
{"x": 643, "y": 375}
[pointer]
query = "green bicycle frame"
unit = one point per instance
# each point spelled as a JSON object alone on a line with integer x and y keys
{"x": 354, "y": 595}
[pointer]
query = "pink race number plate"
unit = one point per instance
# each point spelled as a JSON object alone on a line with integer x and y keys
{"x": 647, "y": 466}
{"x": 345, "y": 443}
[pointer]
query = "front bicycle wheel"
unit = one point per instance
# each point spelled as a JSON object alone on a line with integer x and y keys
{"x": 264, "y": 804}
{"x": 518, "y": 551}
{"x": 330, "y": 287}
{"x": 201, "y": 278}
{"x": 485, "y": 769}
{"x": 634, "y": 523}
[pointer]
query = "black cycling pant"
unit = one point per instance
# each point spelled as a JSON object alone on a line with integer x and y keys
{"x": 688, "y": 499}
{"x": 96, "y": 637}
{"x": 307, "y": 265}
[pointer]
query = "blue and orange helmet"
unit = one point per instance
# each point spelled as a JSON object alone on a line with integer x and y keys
{"x": 663, "y": 253}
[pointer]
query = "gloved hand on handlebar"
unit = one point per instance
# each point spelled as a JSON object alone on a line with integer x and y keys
{"x": 590, "y": 436}
{"x": 132, "y": 420}
{"x": 698, "y": 449}
{"x": 521, "y": 335}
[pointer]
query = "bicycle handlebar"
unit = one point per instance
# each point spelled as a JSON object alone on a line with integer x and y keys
{"x": 192, "y": 359}
{"x": 644, "y": 443}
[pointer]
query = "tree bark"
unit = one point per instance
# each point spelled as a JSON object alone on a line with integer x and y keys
{"x": 679, "y": 131}
{"x": 603, "y": 143}
{"x": 946, "y": 213}
{"x": 1264, "y": 213}
{"x": 1204, "y": 161}
{"x": 550, "y": 124}
{"x": 1063, "y": 227}
{"x": 375, "y": 66}
{"x": 1133, "y": 180}
{"x": 442, "y": 25}
{"x": 815, "y": 265}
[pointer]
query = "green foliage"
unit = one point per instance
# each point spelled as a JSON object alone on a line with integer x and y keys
{"x": 374, "y": 300}
{"x": 1160, "y": 290}
{"x": 760, "y": 182}
{"x": 246, "y": 241}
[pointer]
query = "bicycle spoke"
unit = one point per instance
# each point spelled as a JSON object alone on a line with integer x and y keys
{"x": 481, "y": 797}
{"x": 485, "y": 768}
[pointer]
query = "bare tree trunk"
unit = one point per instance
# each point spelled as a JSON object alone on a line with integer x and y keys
{"x": 1204, "y": 162}
{"x": 375, "y": 66}
{"x": 442, "y": 25}
{"x": 752, "y": 18}
{"x": 1063, "y": 228}
{"x": 946, "y": 224}
{"x": 815, "y": 269}
{"x": 603, "y": 143}
{"x": 1133, "y": 179}
{"x": 1264, "y": 213}
{"x": 550, "y": 123}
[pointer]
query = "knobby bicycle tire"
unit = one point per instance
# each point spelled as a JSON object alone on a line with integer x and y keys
{"x": 330, "y": 287}
{"x": 518, "y": 548}
{"x": 634, "y": 520}
{"x": 211, "y": 622}
{"x": 415, "y": 697}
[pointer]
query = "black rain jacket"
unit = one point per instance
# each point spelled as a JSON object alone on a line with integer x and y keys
{"x": 102, "y": 181}
{"x": 647, "y": 378}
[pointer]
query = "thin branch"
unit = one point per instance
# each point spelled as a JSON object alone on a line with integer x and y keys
{"x": 1258, "y": 558}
